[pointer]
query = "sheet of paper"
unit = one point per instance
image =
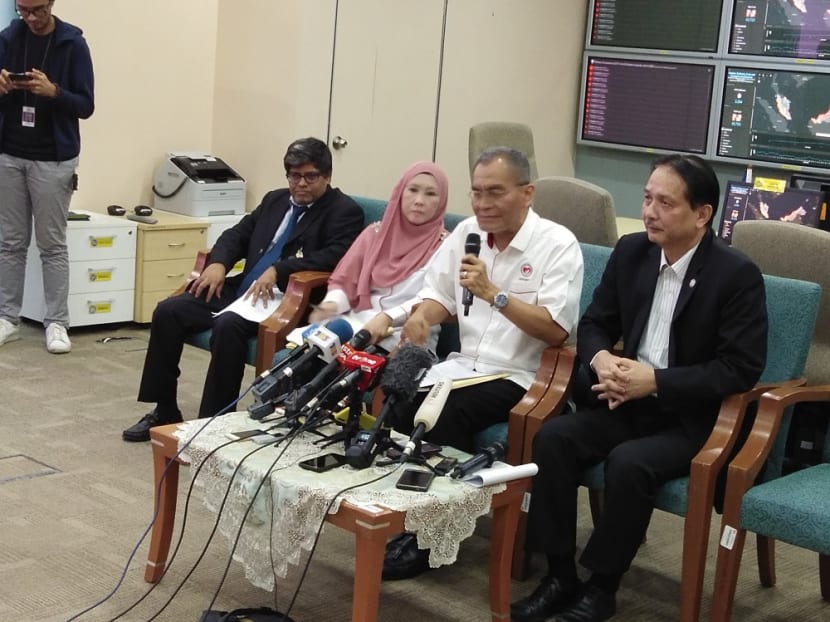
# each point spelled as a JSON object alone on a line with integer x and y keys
{"x": 500, "y": 472}
{"x": 461, "y": 375}
{"x": 254, "y": 313}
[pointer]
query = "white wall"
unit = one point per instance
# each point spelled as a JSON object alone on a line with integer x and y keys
{"x": 154, "y": 64}
{"x": 273, "y": 70}
{"x": 510, "y": 61}
{"x": 242, "y": 78}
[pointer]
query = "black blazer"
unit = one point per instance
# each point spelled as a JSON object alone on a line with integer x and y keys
{"x": 718, "y": 339}
{"x": 320, "y": 239}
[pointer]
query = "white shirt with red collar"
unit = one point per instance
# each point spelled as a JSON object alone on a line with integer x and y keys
{"x": 542, "y": 265}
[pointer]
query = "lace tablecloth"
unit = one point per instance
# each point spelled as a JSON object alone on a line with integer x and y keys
{"x": 290, "y": 504}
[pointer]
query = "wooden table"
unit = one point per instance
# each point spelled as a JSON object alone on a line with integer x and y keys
{"x": 372, "y": 529}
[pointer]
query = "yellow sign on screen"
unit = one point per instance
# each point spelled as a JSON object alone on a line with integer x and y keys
{"x": 770, "y": 183}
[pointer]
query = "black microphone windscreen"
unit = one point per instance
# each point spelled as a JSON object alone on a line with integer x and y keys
{"x": 472, "y": 245}
{"x": 361, "y": 339}
{"x": 497, "y": 450}
{"x": 404, "y": 371}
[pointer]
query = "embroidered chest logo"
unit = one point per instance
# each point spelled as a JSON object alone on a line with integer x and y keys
{"x": 526, "y": 270}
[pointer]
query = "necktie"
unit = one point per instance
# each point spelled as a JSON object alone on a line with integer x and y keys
{"x": 270, "y": 257}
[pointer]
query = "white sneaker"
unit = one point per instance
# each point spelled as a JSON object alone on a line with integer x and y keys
{"x": 57, "y": 341}
{"x": 8, "y": 332}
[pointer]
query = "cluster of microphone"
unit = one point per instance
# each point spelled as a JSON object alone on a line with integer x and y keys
{"x": 352, "y": 367}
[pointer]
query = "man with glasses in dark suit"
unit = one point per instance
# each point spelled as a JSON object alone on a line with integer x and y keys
{"x": 307, "y": 226}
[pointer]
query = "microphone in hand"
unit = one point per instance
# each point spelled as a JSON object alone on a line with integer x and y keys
{"x": 484, "y": 458}
{"x": 472, "y": 246}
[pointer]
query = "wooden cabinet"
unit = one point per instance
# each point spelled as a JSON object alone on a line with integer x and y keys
{"x": 101, "y": 272}
{"x": 165, "y": 253}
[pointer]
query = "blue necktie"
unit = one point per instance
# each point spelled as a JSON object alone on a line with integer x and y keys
{"x": 270, "y": 257}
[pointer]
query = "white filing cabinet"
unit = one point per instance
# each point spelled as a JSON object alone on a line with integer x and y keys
{"x": 101, "y": 272}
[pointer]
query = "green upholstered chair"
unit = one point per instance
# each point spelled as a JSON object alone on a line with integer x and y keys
{"x": 780, "y": 248}
{"x": 793, "y": 508}
{"x": 792, "y": 306}
{"x": 594, "y": 258}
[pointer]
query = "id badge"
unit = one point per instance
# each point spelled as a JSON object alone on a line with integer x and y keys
{"x": 28, "y": 117}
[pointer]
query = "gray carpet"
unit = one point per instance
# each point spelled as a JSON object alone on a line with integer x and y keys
{"x": 75, "y": 499}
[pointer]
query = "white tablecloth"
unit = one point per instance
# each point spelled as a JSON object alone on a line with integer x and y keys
{"x": 291, "y": 502}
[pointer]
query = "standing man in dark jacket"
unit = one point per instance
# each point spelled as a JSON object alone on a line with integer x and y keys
{"x": 307, "y": 226}
{"x": 692, "y": 315}
{"x": 46, "y": 86}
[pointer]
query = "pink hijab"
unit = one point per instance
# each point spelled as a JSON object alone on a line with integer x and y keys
{"x": 386, "y": 255}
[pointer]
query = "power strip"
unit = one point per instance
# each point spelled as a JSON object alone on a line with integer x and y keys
{"x": 147, "y": 220}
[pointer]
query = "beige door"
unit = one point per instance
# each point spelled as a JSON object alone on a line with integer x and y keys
{"x": 387, "y": 57}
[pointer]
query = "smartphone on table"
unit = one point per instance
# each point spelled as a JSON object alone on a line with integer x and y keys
{"x": 326, "y": 462}
{"x": 415, "y": 480}
{"x": 240, "y": 434}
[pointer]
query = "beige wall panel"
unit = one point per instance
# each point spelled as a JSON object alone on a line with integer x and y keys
{"x": 154, "y": 66}
{"x": 384, "y": 90}
{"x": 273, "y": 77}
{"x": 510, "y": 61}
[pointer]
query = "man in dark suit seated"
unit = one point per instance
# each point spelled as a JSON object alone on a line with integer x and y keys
{"x": 307, "y": 226}
{"x": 691, "y": 313}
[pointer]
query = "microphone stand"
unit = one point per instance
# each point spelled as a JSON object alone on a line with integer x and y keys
{"x": 352, "y": 425}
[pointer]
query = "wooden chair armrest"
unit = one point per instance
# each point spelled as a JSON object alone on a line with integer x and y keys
{"x": 730, "y": 418}
{"x": 746, "y": 465}
{"x": 198, "y": 266}
{"x": 771, "y": 407}
{"x": 545, "y": 398}
{"x": 274, "y": 330}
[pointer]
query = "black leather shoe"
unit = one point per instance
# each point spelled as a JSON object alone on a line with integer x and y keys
{"x": 140, "y": 432}
{"x": 404, "y": 559}
{"x": 594, "y": 605}
{"x": 549, "y": 598}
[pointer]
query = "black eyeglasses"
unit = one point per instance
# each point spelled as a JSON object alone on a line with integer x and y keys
{"x": 310, "y": 177}
{"x": 38, "y": 11}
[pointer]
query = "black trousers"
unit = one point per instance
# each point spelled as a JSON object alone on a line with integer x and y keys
{"x": 468, "y": 411}
{"x": 173, "y": 320}
{"x": 642, "y": 448}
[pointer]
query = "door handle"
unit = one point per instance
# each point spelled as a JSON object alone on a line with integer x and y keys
{"x": 339, "y": 142}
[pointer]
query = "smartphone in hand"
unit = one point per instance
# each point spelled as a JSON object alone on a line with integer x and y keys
{"x": 19, "y": 77}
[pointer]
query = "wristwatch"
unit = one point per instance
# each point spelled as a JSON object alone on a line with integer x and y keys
{"x": 500, "y": 301}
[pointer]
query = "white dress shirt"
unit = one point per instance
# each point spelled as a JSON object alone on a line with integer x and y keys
{"x": 542, "y": 265}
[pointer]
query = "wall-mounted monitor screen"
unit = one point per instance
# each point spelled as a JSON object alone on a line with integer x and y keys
{"x": 743, "y": 202}
{"x": 669, "y": 25}
{"x": 775, "y": 115}
{"x": 783, "y": 28}
{"x": 639, "y": 103}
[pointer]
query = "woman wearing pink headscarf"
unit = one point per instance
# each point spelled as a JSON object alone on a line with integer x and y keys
{"x": 383, "y": 271}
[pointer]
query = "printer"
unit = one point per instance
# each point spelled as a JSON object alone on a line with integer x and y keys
{"x": 198, "y": 185}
